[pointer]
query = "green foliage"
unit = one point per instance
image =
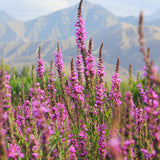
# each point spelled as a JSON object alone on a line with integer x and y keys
{"x": 5, "y": 67}
{"x": 25, "y": 71}
{"x": 14, "y": 72}
{"x": 20, "y": 88}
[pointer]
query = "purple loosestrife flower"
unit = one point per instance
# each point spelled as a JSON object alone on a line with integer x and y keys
{"x": 3, "y": 150}
{"x": 26, "y": 109}
{"x": 20, "y": 122}
{"x": 60, "y": 117}
{"x": 79, "y": 68}
{"x": 115, "y": 94}
{"x": 6, "y": 92}
{"x": 102, "y": 141}
{"x": 67, "y": 90}
{"x": 129, "y": 100}
{"x": 152, "y": 119}
{"x": 40, "y": 105}
{"x": 142, "y": 93}
{"x": 59, "y": 66}
{"x": 154, "y": 74}
{"x": 130, "y": 104}
{"x": 130, "y": 118}
{"x": 45, "y": 140}
{"x": 80, "y": 32}
{"x": 76, "y": 89}
{"x": 5, "y": 101}
{"x": 34, "y": 147}
{"x": 126, "y": 147}
{"x": 157, "y": 136}
{"x": 100, "y": 71}
{"x": 59, "y": 61}
{"x": 152, "y": 107}
{"x": 115, "y": 148}
{"x": 80, "y": 38}
{"x": 51, "y": 87}
{"x": 72, "y": 153}
{"x": 82, "y": 144}
{"x": 40, "y": 66}
{"x": 147, "y": 155}
{"x": 100, "y": 66}
{"x": 115, "y": 97}
{"x": 90, "y": 61}
{"x": 139, "y": 120}
{"x": 99, "y": 96}
{"x": 40, "y": 70}
{"x": 41, "y": 110}
{"x": 14, "y": 152}
{"x": 90, "y": 64}
{"x": 100, "y": 91}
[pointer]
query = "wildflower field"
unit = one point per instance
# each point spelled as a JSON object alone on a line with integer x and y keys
{"x": 51, "y": 116}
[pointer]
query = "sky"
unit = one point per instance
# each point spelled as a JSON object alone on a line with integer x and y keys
{"x": 29, "y": 9}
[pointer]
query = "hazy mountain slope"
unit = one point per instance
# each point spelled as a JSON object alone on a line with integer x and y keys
{"x": 122, "y": 41}
{"x": 12, "y": 32}
{"x": 155, "y": 15}
{"x": 19, "y": 54}
{"x": 57, "y": 25}
{"x": 5, "y": 17}
{"x": 119, "y": 41}
{"x": 60, "y": 25}
{"x": 129, "y": 19}
{"x": 155, "y": 22}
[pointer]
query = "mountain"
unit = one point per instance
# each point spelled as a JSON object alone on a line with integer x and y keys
{"x": 19, "y": 41}
{"x": 5, "y": 17}
{"x": 154, "y": 16}
{"x": 57, "y": 25}
{"x": 129, "y": 19}
{"x": 122, "y": 41}
{"x": 155, "y": 22}
{"x": 26, "y": 53}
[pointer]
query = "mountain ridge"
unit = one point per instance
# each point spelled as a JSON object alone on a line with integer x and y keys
{"x": 58, "y": 25}
{"x": 5, "y": 17}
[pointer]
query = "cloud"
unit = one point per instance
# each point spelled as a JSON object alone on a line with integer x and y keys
{"x": 129, "y": 7}
{"x": 26, "y": 9}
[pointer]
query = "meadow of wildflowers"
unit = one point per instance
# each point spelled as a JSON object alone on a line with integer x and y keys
{"x": 78, "y": 117}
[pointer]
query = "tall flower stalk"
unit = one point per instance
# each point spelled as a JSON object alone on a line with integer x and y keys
{"x": 40, "y": 68}
{"x": 76, "y": 92}
{"x": 79, "y": 68}
{"x": 100, "y": 92}
{"x": 90, "y": 64}
{"x": 51, "y": 87}
{"x": 115, "y": 94}
{"x": 102, "y": 141}
{"x": 152, "y": 107}
{"x": 3, "y": 149}
{"x": 115, "y": 99}
{"x": 59, "y": 66}
{"x": 80, "y": 39}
